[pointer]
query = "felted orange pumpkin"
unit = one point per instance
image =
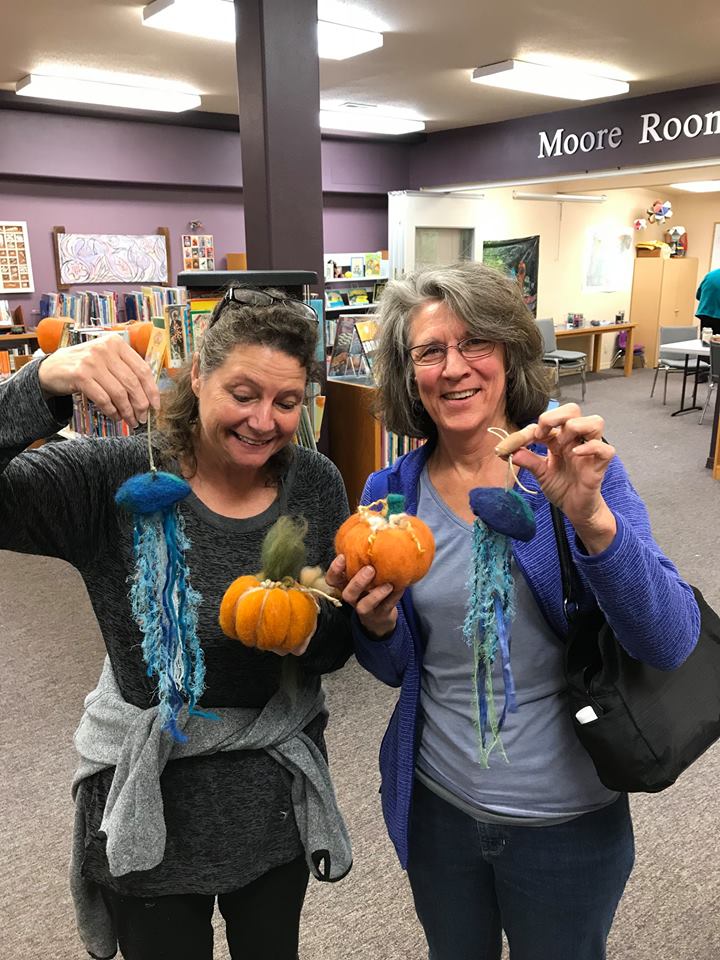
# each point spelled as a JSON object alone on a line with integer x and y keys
{"x": 399, "y": 546}
{"x": 49, "y": 332}
{"x": 138, "y": 334}
{"x": 273, "y": 611}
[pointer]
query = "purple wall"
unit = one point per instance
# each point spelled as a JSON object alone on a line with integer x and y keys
{"x": 350, "y": 223}
{"x": 355, "y": 223}
{"x": 35, "y": 144}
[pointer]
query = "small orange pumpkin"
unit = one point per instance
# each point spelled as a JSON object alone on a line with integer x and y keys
{"x": 49, "y": 332}
{"x": 273, "y": 611}
{"x": 268, "y": 614}
{"x": 138, "y": 334}
{"x": 399, "y": 546}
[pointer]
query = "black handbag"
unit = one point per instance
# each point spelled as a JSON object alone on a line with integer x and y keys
{"x": 641, "y": 726}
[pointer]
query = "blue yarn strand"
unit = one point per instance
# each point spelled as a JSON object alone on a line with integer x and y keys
{"x": 164, "y": 606}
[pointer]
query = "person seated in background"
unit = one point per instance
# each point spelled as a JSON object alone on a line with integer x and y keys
{"x": 234, "y": 821}
{"x": 531, "y": 843}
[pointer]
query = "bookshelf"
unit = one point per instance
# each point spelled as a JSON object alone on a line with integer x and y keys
{"x": 354, "y": 435}
{"x": 359, "y": 443}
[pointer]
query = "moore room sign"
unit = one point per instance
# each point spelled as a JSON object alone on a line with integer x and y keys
{"x": 680, "y": 126}
{"x": 653, "y": 128}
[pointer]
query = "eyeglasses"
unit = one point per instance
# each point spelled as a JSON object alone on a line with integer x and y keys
{"x": 247, "y": 297}
{"x": 471, "y": 348}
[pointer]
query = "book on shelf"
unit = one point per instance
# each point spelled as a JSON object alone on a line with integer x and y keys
{"x": 334, "y": 299}
{"x": 373, "y": 264}
{"x": 6, "y": 317}
{"x": 358, "y": 296}
{"x": 348, "y": 356}
{"x": 395, "y": 445}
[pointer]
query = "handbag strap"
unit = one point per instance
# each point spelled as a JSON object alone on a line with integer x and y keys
{"x": 570, "y": 583}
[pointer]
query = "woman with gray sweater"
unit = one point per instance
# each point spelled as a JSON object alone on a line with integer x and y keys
{"x": 245, "y": 809}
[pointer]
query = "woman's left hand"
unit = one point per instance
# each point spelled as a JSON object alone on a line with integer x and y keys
{"x": 571, "y": 474}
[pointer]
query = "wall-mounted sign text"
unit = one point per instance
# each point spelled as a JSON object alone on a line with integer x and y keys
{"x": 653, "y": 129}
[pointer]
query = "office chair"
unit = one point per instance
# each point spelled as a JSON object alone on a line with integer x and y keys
{"x": 668, "y": 363}
{"x": 713, "y": 378}
{"x": 562, "y": 361}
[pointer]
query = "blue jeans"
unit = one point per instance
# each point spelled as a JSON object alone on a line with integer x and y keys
{"x": 553, "y": 890}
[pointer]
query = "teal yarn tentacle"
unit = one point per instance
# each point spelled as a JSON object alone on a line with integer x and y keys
{"x": 490, "y": 608}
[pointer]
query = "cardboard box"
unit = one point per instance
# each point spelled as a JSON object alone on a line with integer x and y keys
{"x": 644, "y": 252}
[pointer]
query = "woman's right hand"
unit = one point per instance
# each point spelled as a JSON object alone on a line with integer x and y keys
{"x": 110, "y": 374}
{"x": 376, "y": 608}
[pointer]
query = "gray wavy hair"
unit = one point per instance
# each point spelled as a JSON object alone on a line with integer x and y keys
{"x": 280, "y": 326}
{"x": 491, "y": 306}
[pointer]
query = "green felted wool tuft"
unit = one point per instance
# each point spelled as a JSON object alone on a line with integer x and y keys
{"x": 395, "y": 504}
{"x": 283, "y": 550}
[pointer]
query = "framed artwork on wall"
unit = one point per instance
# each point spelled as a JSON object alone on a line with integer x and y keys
{"x": 715, "y": 249}
{"x": 90, "y": 258}
{"x": 15, "y": 267}
{"x": 198, "y": 251}
{"x": 517, "y": 259}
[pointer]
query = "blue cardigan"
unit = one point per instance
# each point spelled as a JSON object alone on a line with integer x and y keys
{"x": 652, "y": 611}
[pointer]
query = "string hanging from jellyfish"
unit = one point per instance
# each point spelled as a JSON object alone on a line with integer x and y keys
{"x": 501, "y": 515}
{"x": 164, "y": 604}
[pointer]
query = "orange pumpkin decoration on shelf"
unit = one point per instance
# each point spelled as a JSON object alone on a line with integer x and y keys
{"x": 50, "y": 333}
{"x": 273, "y": 610}
{"x": 399, "y": 546}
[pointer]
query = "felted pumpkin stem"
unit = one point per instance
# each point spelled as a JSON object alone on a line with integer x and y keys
{"x": 395, "y": 504}
{"x": 283, "y": 550}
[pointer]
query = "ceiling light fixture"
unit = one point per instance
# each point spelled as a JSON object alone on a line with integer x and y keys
{"x": 107, "y": 93}
{"x": 209, "y": 19}
{"x": 215, "y": 20}
{"x": 336, "y": 41}
{"x": 357, "y": 120}
{"x": 561, "y": 197}
{"x": 698, "y": 186}
{"x": 565, "y": 82}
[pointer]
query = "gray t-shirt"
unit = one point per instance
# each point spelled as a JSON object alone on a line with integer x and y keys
{"x": 229, "y": 815}
{"x": 549, "y": 777}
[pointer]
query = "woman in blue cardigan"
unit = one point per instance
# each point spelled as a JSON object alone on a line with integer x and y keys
{"x": 531, "y": 843}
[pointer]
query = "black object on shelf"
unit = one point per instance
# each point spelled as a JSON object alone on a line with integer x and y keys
{"x": 217, "y": 280}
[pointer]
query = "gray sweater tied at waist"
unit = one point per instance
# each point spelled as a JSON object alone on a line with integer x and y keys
{"x": 114, "y": 733}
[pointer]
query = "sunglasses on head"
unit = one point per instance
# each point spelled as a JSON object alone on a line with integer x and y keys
{"x": 247, "y": 297}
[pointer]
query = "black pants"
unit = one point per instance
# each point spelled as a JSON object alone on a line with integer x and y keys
{"x": 262, "y": 920}
{"x": 713, "y": 322}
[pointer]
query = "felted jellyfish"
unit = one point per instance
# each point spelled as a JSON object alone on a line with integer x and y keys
{"x": 164, "y": 604}
{"x": 500, "y": 517}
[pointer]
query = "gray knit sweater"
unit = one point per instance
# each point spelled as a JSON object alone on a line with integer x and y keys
{"x": 229, "y": 815}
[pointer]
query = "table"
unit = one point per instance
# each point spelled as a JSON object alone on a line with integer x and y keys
{"x": 687, "y": 349}
{"x": 596, "y": 333}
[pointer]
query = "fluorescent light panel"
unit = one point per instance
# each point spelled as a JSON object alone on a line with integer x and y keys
{"x": 106, "y": 93}
{"x": 699, "y": 186}
{"x": 563, "y": 197}
{"x": 339, "y": 42}
{"x": 209, "y": 19}
{"x": 367, "y": 121}
{"x": 548, "y": 81}
{"x": 215, "y": 20}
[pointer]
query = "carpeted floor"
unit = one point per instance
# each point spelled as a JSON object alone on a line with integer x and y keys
{"x": 50, "y": 654}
